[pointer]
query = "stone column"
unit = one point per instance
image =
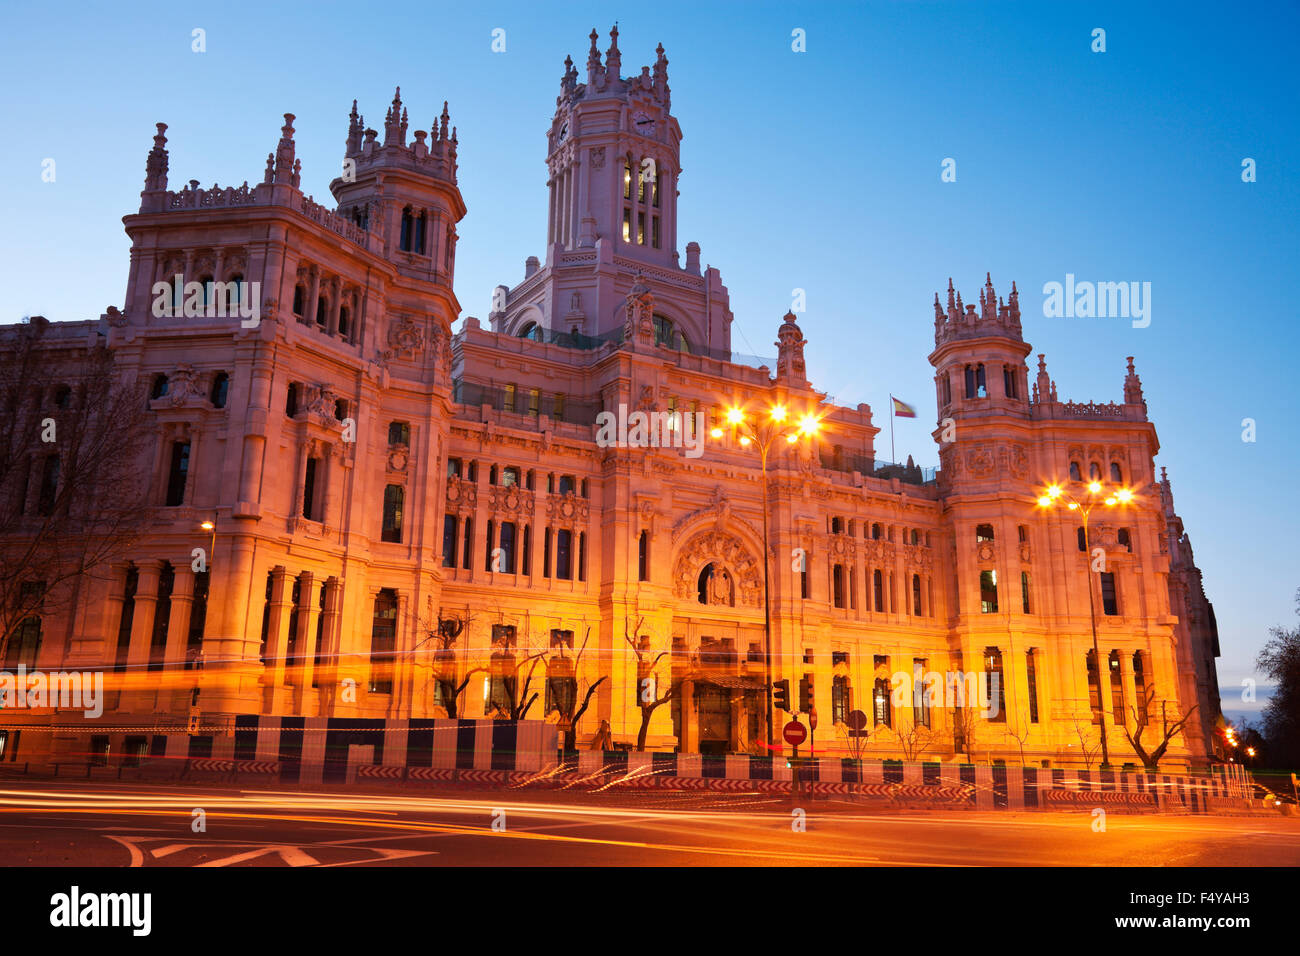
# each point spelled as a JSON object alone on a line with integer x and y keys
{"x": 178, "y": 629}
{"x": 146, "y": 604}
{"x": 305, "y": 645}
{"x": 313, "y": 296}
{"x": 277, "y": 637}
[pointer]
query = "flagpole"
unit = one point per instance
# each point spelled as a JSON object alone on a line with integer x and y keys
{"x": 891, "y": 428}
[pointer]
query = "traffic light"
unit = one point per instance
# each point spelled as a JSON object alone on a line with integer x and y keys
{"x": 781, "y": 694}
{"x": 805, "y": 694}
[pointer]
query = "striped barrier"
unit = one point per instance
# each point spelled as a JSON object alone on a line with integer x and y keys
{"x": 208, "y": 765}
{"x": 376, "y": 771}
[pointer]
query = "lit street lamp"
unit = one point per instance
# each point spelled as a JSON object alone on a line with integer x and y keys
{"x": 1097, "y": 495}
{"x": 764, "y": 433}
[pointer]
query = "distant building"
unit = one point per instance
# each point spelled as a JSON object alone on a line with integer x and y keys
{"x": 411, "y": 522}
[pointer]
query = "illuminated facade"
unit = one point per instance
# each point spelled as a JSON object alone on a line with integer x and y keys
{"x": 410, "y": 522}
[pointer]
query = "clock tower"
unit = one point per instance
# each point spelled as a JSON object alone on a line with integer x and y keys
{"x": 612, "y": 158}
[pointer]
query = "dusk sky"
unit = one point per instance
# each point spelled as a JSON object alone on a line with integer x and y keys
{"x": 817, "y": 170}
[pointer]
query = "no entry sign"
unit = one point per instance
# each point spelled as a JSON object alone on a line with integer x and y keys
{"x": 794, "y": 733}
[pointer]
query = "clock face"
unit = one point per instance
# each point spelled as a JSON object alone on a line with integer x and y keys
{"x": 643, "y": 124}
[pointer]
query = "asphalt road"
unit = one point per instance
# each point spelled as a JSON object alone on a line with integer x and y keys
{"x": 58, "y": 824}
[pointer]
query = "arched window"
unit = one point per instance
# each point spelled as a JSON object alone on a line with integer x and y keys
{"x": 1094, "y": 471}
{"x": 291, "y": 400}
{"x": 975, "y": 384}
{"x": 667, "y": 334}
{"x": 839, "y": 699}
{"x": 322, "y": 312}
{"x": 876, "y": 531}
{"x": 878, "y": 590}
{"x": 209, "y": 292}
{"x": 159, "y": 387}
{"x": 344, "y": 321}
{"x": 299, "y": 299}
{"x": 220, "y": 388}
{"x": 394, "y": 499}
{"x": 627, "y": 178}
{"x": 420, "y": 223}
{"x": 531, "y": 330}
{"x": 880, "y": 702}
{"x": 643, "y": 557}
{"x": 1116, "y": 475}
{"x": 1075, "y": 475}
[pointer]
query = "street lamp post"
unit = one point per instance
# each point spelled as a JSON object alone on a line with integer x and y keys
{"x": 764, "y": 433}
{"x": 1096, "y": 495}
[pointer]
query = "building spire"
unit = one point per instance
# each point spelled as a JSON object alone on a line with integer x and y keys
{"x": 284, "y": 158}
{"x": 1133, "y": 387}
{"x": 790, "y": 369}
{"x": 613, "y": 58}
{"x": 594, "y": 69}
{"x": 355, "y": 128}
{"x": 394, "y": 122}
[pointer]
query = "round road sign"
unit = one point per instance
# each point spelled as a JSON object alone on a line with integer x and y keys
{"x": 794, "y": 733}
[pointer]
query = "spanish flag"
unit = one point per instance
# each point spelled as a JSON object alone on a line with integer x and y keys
{"x": 901, "y": 410}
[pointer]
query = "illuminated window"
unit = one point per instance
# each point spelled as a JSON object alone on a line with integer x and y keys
{"x": 988, "y": 592}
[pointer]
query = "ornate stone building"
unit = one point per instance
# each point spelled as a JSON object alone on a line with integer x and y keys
{"x": 410, "y": 523}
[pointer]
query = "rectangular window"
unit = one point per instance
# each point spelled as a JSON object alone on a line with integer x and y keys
{"x": 1094, "y": 688}
{"x": 640, "y": 229}
{"x": 176, "y": 475}
{"x": 564, "y": 554}
{"x": 50, "y": 485}
{"x": 394, "y": 500}
{"x": 839, "y": 699}
{"x": 559, "y": 407}
{"x": 546, "y": 554}
{"x": 643, "y": 557}
{"x": 453, "y": 467}
{"x": 920, "y": 702}
{"x": 508, "y": 398}
{"x": 627, "y": 225}
{"x": 449, "y": 523}
{"x": 1109, "y": 595}
{"x": 1031, "y": 677}
{"x": 534, "y": 402}
{"x": 467, "y": 552}
{"x": 1024, "y": 591}
{"x": 837, "y": 584}
{"x": 988, "y": 592}
{"x": 308, "y": 489}
{"x": 504, "y": 635}
{"x": 506, "y": 565}
{"x": 127, "y": 619}
{"x": 561, "y": 638}
{"x": 654, "y": 231}
{"x": 1116, "y": 687}
{"x": 383, "y": 641}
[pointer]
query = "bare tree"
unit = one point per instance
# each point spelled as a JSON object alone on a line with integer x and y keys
{"x": 561, "y": 667}
{"x": 647, "y": 682}
{"x": 913, "y": 738}
{"x": 72, "y": 493}
{"x": 1089, "y": 744}
{"x": 1021, "y": 739}
{"x": 1167, "y": 729}
{"x": 443, "y": 633}
{"x": 965, "y": 725}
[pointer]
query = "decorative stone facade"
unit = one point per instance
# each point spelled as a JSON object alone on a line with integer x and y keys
{"x": 391, "y": 499}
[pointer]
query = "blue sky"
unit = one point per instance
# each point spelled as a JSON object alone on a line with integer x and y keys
{"x": 816, "y": 170}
